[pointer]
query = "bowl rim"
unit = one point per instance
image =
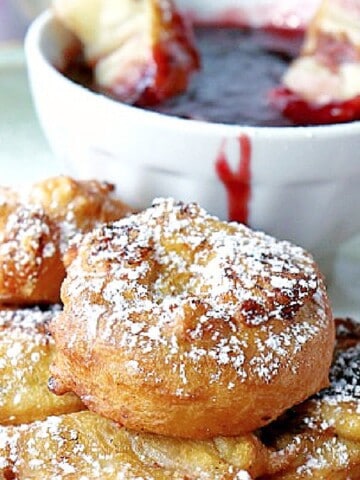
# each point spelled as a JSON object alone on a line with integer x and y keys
{"x": 34, "y": 53}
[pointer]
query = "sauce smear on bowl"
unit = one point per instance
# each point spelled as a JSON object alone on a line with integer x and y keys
{"x": 237, "y": 183}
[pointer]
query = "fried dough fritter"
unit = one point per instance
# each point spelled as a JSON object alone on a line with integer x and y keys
{"x": 171, "y": 316}
{"x": 31, "y": 268}
{"x": 36, "y": 228}
{"x": 324, "y": 431}
{"x": 85, "y": 445}
{"x": 26, "y": 350}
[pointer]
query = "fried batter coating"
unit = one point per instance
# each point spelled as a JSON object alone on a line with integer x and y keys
{"x": 31, "y": 267}
{"x": 179, "y": 324}
{"x": 35, "y": 230}
{"x": 324, "y": 432}
{"x": 26, "y": 350}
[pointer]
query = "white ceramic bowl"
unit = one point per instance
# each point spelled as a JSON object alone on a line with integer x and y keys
{"x": 304, "y": 181}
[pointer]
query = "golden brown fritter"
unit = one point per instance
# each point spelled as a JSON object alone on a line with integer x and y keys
{"x": 36, "y": 228}
{"x": 182, "y": 325}
{"x": 31, "y": 267}
{"x": 77, "y": 205}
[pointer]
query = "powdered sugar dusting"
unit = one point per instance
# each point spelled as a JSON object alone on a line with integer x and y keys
{"x": 344, "y": 377}
{"x": 243, "y": 475}
{"x": 23, "y": 336}
{"x": 28, "y": 319}
{"x": 26, "y": 241}
{"x": 334, "y": 449}
{"x": 176, "y": 277}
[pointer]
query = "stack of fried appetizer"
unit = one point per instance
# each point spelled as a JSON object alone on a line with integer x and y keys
{"x": 186, "y": 347}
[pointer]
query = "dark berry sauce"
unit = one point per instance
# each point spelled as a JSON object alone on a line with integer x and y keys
{"x": 239, "y": 68}
{"x": 240, "y": 81}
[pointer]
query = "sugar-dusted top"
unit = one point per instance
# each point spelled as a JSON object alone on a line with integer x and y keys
{"x": 74, "y": 206}
{"x": 175, "y": 278}
{"x": 345, "y": 376}
{"x": 24, "y": 340}
{"x": 29, "y": 320}
{"x": 345, "y": 370}
{"x": 86, "y": 446}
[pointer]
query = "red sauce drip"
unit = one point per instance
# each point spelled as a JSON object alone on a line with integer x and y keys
{"x": 238, "y": 183}
{"x": 301, "y": 112}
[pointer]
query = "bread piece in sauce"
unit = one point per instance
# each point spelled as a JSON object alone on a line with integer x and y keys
{"x": 141, "y": 50}
{"x": 328, "y": 69}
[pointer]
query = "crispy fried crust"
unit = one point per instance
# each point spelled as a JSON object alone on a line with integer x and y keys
{"x": 26, "y": 350}
{"x": 35, "y": 230}
{"x": 31, "y": 269}
{"x": 182, "y": 325}
{"x": 78, "y": 205}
